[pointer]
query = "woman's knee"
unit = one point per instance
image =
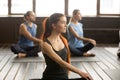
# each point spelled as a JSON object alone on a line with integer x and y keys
{"x": 13, "y": 48}
{"x": 93, "y": 43}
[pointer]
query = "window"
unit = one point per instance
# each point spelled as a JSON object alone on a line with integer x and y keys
{"x": 21, "y": 6}
{"x": 110, "y": 7}
{"x": 86, "y": 7}
{"x": 3, "y": 7}
{"x": 48, "y": 7}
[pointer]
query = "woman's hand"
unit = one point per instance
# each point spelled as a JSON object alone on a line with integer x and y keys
{"x": 86, "y": 76}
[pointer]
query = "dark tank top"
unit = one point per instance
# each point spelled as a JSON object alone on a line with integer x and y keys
{"x": 53, "y": 70}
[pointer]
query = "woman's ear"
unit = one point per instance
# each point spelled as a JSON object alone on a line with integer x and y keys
{"x": 53, "y": 26}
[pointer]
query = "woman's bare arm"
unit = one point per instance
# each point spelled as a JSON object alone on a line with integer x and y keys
{"x": 47, "y": 49}
{"x": 81, "y": 38}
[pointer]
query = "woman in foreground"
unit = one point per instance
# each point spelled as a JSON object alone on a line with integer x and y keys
{"x": 56, "y": 51}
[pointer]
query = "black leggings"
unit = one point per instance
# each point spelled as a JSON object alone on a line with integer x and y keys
{"x": 28, "y": 50}
{"x": 61, "y": 79}
{"x": 80, "y": 51}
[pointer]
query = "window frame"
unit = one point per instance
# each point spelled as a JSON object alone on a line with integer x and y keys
{"x": 101, "y": 14}
{"x": 10, "y": 11}
{"x": 65, "y": 9}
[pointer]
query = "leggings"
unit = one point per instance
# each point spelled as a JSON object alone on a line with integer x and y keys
{"x": 61, "y": 79}
{"x": 30, "y": 51}
{"x": 82, "y": 50}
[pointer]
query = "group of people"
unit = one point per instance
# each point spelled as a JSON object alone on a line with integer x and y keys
{"x": 56, "y": 49}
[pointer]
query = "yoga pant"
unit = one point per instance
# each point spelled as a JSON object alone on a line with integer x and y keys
{"x": 61, "y": 79}
{"x": 30, "y": 51}
{"x": 82, "y": 50}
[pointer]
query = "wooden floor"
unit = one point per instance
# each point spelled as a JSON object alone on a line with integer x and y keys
{"x": 104, "y": 69}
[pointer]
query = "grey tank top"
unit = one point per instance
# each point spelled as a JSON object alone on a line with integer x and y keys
{"x": 53, "y": 70}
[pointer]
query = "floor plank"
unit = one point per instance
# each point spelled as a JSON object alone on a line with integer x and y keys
{"x": 13, "y": 71}
{"x": 91, "y": 71}
{"x": 114, "y": 74}
{"x": 21, "y": 72}
{"x": 99, "y": 70}
{"x": 5, "y": 70}
{"x": 101, "y": 55}
{"x": 38, "y": 71}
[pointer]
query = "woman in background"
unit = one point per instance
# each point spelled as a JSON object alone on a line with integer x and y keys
{"x": 76, "y": 38}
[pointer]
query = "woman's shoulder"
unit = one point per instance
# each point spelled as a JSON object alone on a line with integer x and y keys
{"x": 35, "y": 25}
{"x": 47, "y": 41}
{"x": 70, "y": 25}
{"x": 80, "y": 23}
{"x": 22, "y": 25}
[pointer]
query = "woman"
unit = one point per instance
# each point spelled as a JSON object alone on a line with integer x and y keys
{"x": 25, "y": 46}
{"x": 76, "y": 38}
{"x": 56, "y": 51}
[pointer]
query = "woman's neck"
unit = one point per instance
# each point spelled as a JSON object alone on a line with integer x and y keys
{"x": 29, "y": 23}
{"x": 74, "y": 21}
{"x": 56, "y": 41}
{"x": 54, "y": 37}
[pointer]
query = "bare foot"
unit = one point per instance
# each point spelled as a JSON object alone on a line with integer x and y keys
{"x": 88, "y": 55}
{"x": 21, "y": 55}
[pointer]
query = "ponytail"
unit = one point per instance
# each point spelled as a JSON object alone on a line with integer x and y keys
{"x": 46, "y": 25}
{"x": 46, "y": 28}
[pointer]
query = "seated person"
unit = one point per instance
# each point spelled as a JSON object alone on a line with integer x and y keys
{"x": 27, "y": 31}
{"x": 76, "y": 38}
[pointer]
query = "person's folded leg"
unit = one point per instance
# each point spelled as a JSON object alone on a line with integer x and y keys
{"x": 33, "y": 52}
{"x": 15, "y": 48}
{"x": 61, "y": 79}
{"x": 76, "y": 79}
{"x": 87, "y": 47}
{"x": 75, "y": 51}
